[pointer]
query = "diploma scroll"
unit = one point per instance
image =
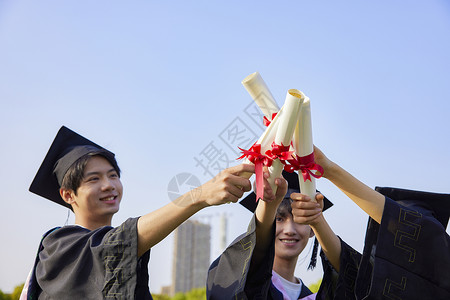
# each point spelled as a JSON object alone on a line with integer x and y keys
{"x": 304, "y": 147}
{"x": 258, "y": 90}
{"x": 285, "y": 130}
{"x": 291, "y": 123}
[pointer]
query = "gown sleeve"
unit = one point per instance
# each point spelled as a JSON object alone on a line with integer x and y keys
{"x": 76, "y": 263}
{"x": 340, "y": 285}
{"x": 233, "y": 276}
{"x": 407, "y": 256}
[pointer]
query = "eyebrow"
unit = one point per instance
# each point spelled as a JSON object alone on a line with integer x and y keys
{"x": 97, "y": 173}
{"x": 280, "y": 214}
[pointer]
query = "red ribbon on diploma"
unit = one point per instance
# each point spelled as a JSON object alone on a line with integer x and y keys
{"x": 267, "y": 121}
{"x": 279, "y": 151}
{"x": 306, "y": 164}
{"x": 254, "y": 155}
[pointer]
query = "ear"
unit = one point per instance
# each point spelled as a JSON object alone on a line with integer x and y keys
{"x": 67, "y": 195}
{"x": 311, "y": 233}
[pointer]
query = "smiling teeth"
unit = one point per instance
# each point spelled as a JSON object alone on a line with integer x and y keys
{"x": 108, "y": 199}
{"x": 289, "y": 241}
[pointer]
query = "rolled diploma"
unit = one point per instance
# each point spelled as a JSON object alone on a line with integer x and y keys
{"x": 258, "y": 90}
{"x": 265, "y": 140}
{"x": 285, "y": 130}
{"x": 303, "y": 145}
{"x": 269, "y": 134}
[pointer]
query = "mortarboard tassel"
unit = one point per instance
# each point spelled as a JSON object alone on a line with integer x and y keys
{"x": 312, "y": 263}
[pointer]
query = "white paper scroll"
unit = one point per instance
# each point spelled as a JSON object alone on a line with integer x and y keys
{"x": 303, "y": 145}
{"x": 260, "y": 93}
{"x": 258, "y": 90}
{"x": 285, "y": 130}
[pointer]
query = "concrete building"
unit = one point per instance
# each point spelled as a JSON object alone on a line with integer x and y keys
{"x": 191, "y": 256}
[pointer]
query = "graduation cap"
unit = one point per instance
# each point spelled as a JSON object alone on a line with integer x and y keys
{"x": 434, "y": 204}
{"x": 250, "y": 203}
{"x": 67, "y": 147}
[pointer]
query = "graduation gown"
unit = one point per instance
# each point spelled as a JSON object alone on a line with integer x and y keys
{"x": 77, "y": 263}
{"x": 407, "y": 256}
{"x": 231, "y": 275}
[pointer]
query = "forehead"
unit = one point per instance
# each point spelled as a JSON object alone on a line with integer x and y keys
{"x": 97, "y": 162}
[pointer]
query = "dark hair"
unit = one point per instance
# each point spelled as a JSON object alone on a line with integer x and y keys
{"x": 74, "y": 175}
{"x": 285, "y": 207}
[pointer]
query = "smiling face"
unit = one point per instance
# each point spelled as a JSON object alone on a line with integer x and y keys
{"x": 290, "y": 238}
{"x": 98, "y": 196}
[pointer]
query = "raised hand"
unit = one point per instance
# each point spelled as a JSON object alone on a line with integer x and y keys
{"x": 306, "y": 211}
{"x": 323, "y": 161}
{"x": 227, "y": 186}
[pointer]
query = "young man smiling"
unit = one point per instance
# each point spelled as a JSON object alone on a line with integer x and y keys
{"x": 92, "y": 259}
{"x": 260, "y": 264}
{"x": 98, "y": 196}
{"x": 290, "y": 240}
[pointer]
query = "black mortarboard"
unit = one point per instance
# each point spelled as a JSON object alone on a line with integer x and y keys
{"x": 426, "y": 202}
{"x": 67, "y": 147}
{"x": 250, "y": 203}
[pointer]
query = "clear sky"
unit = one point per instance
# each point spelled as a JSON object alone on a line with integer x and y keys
{"x": 158, "y": 83}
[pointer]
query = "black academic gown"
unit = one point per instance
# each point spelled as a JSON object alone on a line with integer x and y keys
{"x": 77, "y": 263}
{"x": 231, "y": 276}
{"x": 407, "y": 256}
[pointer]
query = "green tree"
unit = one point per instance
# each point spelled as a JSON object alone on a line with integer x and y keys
{"x": 17, "y": 291}
{"x": 160, "y": 297}
{"x": 4, "y": 296}
{"x": 179, "y": 296}
{"x": 314, "y": 287}
{"x": 196, "y": 294}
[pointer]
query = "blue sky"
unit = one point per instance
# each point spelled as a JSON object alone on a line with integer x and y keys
{"x": 159, "y": 82}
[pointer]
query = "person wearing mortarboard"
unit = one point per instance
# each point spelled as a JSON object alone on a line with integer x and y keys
{"x": 92, "y": 259}
{"x": 260, "y": 263}
{"x": 407, "y": 249}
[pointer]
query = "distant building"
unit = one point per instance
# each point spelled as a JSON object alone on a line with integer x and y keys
{"x": 223, "y": 231}
{"x": 191, "y": 256}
